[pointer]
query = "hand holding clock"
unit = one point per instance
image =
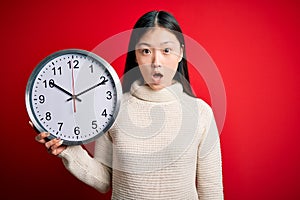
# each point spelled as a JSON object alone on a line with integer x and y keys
{"x": 53, "y": 146}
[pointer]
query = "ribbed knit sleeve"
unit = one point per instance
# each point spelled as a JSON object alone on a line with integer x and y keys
{"x": 86, "y": 168}
{"x": 209, "y": 165}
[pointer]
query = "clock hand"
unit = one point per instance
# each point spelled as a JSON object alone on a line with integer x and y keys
{"x": 101, "y": 83}
{"x": 65, "y": 91}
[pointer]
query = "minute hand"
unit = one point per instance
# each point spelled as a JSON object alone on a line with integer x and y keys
{"x": 93, "y": 87}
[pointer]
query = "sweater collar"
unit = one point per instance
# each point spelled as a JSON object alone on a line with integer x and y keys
{"x": 140, "y": 90}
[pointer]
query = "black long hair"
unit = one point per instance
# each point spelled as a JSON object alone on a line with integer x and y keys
{"x": 149, "y": 20}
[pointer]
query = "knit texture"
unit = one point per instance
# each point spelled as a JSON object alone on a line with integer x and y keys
{"x": 163, "y": 145}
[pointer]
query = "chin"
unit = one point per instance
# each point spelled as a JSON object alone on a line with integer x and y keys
{"x": 156, "y": 86}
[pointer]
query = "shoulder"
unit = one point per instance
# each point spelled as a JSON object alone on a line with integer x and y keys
{"x": 201, "y": 105}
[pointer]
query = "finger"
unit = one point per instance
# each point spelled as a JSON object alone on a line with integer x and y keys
{"x": 32, "y": 126}
{"x": 56, "y": 147}
{"x": 30, "y": 123}
{"x": 57, "y": 144}
{"x": 51, "y": 143}
{"x": 41, "y": 138}
{"x": 58, "y": 150}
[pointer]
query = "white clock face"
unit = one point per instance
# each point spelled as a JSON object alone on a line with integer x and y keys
{"x": 74, "y": 95}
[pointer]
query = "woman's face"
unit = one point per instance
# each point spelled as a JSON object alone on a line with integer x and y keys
{"x": 158, "y": 53}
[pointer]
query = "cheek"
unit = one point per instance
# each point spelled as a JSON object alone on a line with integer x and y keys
{"x": 170, "y": 69}
{"x": 172, "y": 65}
{"x": 145, "y": 71}
{"x": 169, "y": 74}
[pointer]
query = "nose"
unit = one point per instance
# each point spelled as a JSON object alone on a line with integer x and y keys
{"x": 156, "y": 59}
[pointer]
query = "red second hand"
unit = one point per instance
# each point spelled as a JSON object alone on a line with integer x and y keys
{"x": 73, "y": 88}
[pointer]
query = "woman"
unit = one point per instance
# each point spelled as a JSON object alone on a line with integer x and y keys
{"x": 164, "y": 143}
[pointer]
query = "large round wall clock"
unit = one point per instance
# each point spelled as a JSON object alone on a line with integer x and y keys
{"x": 74, "y": 95}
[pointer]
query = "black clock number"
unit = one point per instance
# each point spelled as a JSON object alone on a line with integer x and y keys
{"x": 42, "y": 99}
{"x": 109, "y": 95}
{"x": 76, "y": 130}
{"x": 75, "y": 64}
{"x": 94, "y": 124}
{"x": 51, "y": 83}
{"x": 60, "y": 124}
{"x": 104, "y": 113}
{"x": 48, "y": 116}
{"x": 56, "y": 71}
{"x": 103, "y": 79}
{"x": 92, "y": 69}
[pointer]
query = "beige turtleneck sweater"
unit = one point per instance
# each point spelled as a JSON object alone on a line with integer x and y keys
{"x": 163, "y": 145}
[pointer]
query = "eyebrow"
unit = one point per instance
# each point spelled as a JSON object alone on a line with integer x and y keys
{"x": 149, "y": 45}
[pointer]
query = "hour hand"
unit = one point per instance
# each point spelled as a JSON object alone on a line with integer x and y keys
{"x": 64, "y": 91}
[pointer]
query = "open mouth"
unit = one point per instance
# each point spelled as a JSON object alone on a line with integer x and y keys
{"x": 156, "y": 77}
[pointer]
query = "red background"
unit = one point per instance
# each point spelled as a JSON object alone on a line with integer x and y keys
{"x": 255, "y": 45}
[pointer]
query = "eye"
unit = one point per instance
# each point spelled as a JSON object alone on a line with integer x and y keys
{"x": 167, "y": 50}
{"x": 146, "y": 51}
